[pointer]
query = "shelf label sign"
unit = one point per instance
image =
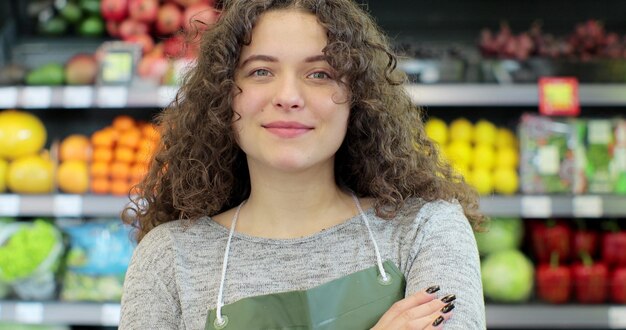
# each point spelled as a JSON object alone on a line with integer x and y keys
{"x": 67, "y": 205}
{"x": 617, "y": 317}
{"x": 29, "y": 313}
{"x": 110, "y": 314}
{"x": 36, "y": 97}
{"x": 536, "y": 206}
{"x": 8, "y": 97}
{"x": 112, "y": 97}
{"x": 77, "y": 97}
{"x": 587, "y": 206}
{"x": 9, "y": 205}
{"x": 558, "y": 96}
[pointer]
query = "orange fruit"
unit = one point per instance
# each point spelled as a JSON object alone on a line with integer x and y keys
{"x": 120, "y": 187}
{"x": 120, "y": 170}
{"x": 100, "y": 186}
{"x": 130, "y": 138}
{"x": 99, "y": 170}
{"x": 123, "y": 122}
{"x": 138, "y": 171}
{"x": 149, "y": 131}
{"x": 73, "y": 177}
{"x": 75, "y": 147}
{"x": 124, "y": 155}
{"x": 102, "y": 154}
{"x": 103, "y": 138}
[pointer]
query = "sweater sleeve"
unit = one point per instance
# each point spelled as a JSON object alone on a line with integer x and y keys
{"x": 149, "y": 300}
{"x": 445, "y": 254}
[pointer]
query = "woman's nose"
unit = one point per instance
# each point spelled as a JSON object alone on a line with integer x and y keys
{"x": 288, "y": 94}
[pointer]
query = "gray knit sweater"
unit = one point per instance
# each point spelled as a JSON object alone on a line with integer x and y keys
{"x": 174, "y": 276}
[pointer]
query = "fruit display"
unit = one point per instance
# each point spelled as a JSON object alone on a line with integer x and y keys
{"x": 99, "y": 253}
{"x": 30, "y": 254}
{"x": 120, "y": 155}
{"x": 484, "y": 154}
{"x": 572, "y": 155}
{"x": 80, "y": 17}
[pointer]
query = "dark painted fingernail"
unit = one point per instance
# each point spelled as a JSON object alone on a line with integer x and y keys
{"x": 433, "y": 289}
{"x": 449, "y": 298}
{"x": 447, "y": 308}
{"x": 438, "y": 321}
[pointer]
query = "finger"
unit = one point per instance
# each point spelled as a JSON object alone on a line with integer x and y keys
{"x": 405, "y": 304}
{"x": 418, "y": 317}
{"x": 438, "y": 319}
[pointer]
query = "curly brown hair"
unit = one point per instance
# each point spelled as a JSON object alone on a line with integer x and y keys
{"x": 199, "y": 170}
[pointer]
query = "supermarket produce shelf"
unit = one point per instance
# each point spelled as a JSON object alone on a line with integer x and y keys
{"x": 41, "y": 97}
{"x": 527, "y": 206}
{"x": 498, "y": 316}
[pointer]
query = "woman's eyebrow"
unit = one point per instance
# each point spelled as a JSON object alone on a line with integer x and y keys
{"x": 267, "y": 58}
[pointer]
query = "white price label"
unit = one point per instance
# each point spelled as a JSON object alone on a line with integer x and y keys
{"x": 8, "y": 97}
{"x": 112, "y": 97}
{"x": 36, "y": 97}
{"x": 617, "y": 317}
{"x": 29, "y": 313}
{"x": 9, "y": 205}
{"x": 67, "y": 205}
{"x": 587, "y": 206}
{"x": 167, "y": 94}
{"x": 110, "y": 315}
{"x": 77, "y": 97}
{"x": 536, "y": 207}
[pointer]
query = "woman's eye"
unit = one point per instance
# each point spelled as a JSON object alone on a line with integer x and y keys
{"x": 261, "y": 73}
{"x": 319, "y": 75}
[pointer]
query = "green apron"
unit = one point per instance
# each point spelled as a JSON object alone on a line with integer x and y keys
{"x": 356, "y": 301}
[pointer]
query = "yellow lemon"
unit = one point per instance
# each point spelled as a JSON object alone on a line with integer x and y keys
{"x": 437, "y": 130}
{"x": 507, "y": 157}
{"x": 31, "y": 174}
{"x": 459, "y": 153}
{"x": 485, "y": 132}
{"x": 461, "y": 129}
{"x": 4, "y": 168}
{"x": 482, "y": 180}
{"x": 483, "y": 157}
{"x": 461, "y": 170}
{"x": 505, "y": 180}
{"x": 506, "y": 138}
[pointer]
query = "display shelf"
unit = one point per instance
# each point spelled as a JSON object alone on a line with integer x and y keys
{"x": 426, "y": 95}
{"x": 527, "y": 206}
{"x": 498, "y": 316}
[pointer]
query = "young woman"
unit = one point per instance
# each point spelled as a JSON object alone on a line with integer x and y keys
{"x": 295, "y": 188}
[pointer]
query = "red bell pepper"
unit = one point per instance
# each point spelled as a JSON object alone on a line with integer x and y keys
{"x": 590, "y": 281}
{"x": 618, "y": 285}
{"x": 614, "y": 245}
{"x": 549, "y": 237}
{"x": 584, "y": 241}
{"x": 554, "y": 281}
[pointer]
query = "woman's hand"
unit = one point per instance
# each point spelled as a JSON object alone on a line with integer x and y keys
{"x": 418, "y": 312}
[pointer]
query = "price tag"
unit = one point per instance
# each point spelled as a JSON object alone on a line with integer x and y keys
{"x": 112, "y": 97}
{"x": 587, "y": 206}
{"x": 617, "y": 317}
{"x": 8, "y": 97}
{"x": 167, "y": 94}
{"x": 9, "y": 205}
{"x": 29, "y": 313}
{"x": 110, "y": 315}
{"x": 67, "y": 206}
{"x": 536, "y": 207}
{"x": 558, "y": 96}
{"x": 36, "y": 97}
{"x": 77, "y": 97}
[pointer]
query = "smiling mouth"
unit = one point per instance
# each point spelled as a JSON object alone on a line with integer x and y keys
{"x": 287, "y": 130}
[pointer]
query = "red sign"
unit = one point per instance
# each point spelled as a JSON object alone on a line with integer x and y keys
{"x": 558, "y": 96}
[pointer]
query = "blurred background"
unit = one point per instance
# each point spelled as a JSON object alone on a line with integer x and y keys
{"x": 81, "y": 81}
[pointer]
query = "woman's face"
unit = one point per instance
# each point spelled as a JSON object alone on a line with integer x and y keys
{"x": 294, "y": 114}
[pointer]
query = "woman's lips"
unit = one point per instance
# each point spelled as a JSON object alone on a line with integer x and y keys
{"x": 287, "y": 129}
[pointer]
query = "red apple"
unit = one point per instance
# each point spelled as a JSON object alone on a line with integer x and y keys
{"x": 113, "y": 28}
{"x": 143, "y": 10}
{"x": 199, "y": 16}
{"x": 114, "y": 10}
{"x": 174, "y": 46}
{"x": 130, "y": 27}
{"x": 81, "y": 69}
{"x": 152, "y": 67}
{"x": 169, "y": 19}
{"x": 187, "y": 3}
{"x": 144, "y": 40}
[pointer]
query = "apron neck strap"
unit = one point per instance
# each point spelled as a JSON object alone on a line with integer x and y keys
{"x": 221, "y": 321}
